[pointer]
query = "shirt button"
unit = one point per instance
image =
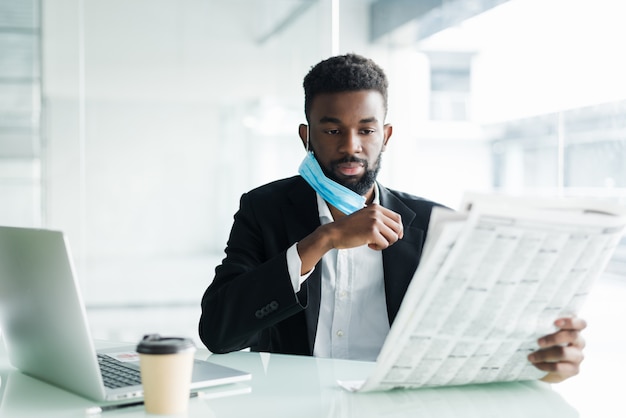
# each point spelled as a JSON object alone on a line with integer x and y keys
{"x": 340, "y": 333}
{"x": 343, "y": 294}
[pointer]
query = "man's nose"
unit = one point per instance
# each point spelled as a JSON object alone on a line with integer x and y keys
{"x": 351, "y": 143}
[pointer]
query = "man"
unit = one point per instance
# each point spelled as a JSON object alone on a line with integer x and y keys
{"x": 318, "y": 264}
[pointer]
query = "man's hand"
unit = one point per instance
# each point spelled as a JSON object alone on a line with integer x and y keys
{"x": 374, "y": 226}
{"x": 560, "y": 353}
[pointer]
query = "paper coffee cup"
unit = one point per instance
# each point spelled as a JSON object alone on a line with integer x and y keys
{"x": 166, "y": 365}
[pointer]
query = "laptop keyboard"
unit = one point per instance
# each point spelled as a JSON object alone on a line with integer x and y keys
{"x": 117, "y": 375}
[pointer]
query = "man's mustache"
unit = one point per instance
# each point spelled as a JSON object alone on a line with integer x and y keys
{"x": 351, "y": 159}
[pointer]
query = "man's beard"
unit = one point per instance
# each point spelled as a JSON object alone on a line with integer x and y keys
{"x": 365, "y": 183}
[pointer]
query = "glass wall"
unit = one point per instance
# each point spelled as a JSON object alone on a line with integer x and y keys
{"x": 159, "y": 114}
{"x": 20, "y": 113}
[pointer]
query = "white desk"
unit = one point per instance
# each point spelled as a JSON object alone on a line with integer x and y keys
{"x": 294, "y": 386}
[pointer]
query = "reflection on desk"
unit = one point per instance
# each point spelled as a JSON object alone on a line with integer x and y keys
{"x": 284, "y": 385}
{"x": 287, "y": 386}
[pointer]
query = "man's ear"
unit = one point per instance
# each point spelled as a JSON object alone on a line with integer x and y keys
{"x": 387, "y": 130}
{"x": 303, "y": 131}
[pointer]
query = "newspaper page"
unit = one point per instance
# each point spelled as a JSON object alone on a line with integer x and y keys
{"x": 491, "y": 281}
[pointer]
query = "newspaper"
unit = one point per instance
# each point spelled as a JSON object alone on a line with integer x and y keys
{"x": 491, "y": 281}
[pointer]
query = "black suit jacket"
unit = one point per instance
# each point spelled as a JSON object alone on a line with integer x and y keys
{"x": 251, "y": 302}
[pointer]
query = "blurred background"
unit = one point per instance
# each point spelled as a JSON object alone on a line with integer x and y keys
{"x": 135, "y": 125}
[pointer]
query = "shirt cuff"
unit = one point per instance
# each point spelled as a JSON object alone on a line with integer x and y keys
{"x": 294, "y": 265}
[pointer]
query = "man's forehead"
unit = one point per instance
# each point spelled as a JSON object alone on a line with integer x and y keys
{"x": 364, "y": 104}
{"x": 349, "y": 95}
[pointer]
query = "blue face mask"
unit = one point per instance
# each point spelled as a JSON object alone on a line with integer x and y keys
{"x": 332, "y": 192}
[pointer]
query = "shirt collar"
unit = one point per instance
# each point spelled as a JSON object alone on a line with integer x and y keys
{"x": 324, "y": 210}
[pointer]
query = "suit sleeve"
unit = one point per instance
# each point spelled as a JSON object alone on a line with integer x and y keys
{"x": 251, "y": 289}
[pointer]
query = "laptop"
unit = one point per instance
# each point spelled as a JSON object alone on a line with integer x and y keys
{"x": 44, "y": 323}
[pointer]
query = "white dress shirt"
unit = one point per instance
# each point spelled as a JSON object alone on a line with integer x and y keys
{"x": 353, "y": 320}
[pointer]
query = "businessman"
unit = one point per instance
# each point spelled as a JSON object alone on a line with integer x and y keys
{"x": 318, "y": 264}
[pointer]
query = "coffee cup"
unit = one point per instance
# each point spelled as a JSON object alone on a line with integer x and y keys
{"x": 166, "y": 365}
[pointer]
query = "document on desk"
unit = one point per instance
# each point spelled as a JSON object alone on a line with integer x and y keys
{"x": 492, "y": 279}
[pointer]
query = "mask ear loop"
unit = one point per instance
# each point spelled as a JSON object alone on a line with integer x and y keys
{"x": 308, "y": 137}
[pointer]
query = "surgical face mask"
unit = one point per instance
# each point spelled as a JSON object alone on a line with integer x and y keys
{"x": 332, "y": 192}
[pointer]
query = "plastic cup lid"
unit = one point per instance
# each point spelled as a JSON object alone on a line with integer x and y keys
{"x": 155, "y": 344}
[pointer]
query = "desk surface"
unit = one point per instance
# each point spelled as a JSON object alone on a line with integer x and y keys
{"x": 287, "y": 386}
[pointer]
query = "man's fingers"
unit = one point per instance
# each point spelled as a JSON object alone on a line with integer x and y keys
{"x": 383, "y": 238}
{"x": 557, "y": 372}
{"x": 392, "y": 220}
{"x": 557, "y": 354}
{"x": 559, "y": 362}
{"x": 386, "y": 229}
{"x": 573, "y": 323}
{"x": 561, "y": 352}
{"x": 563, "y": 337}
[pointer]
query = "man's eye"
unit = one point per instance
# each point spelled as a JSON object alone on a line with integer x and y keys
{"x": 367, "y": 131}
{"x": 332, "y": 131}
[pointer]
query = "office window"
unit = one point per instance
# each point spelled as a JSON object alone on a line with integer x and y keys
{"x": 21, "y": 184}
{"x": 450, "y": 85}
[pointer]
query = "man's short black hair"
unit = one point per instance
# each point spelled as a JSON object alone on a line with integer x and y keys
{"x": 350, "y": 72}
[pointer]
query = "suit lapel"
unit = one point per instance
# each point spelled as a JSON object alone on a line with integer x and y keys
{"x": 401, "y": 259}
